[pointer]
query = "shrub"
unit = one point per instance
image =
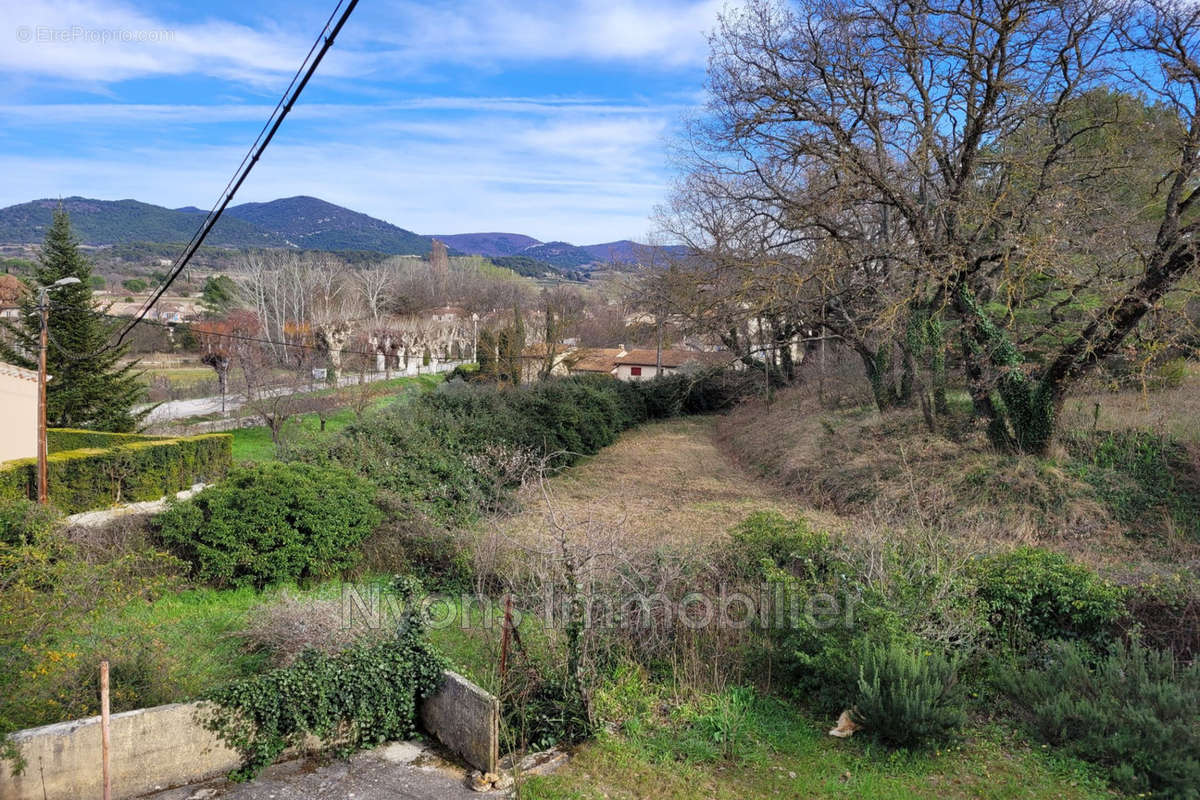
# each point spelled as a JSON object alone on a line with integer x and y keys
{"x": 434, "y": 553}
{"x": 1171, "y": 373}
{"x": 272, "y": 522}
{"x": 1165, "y": 614}
{"x": 23, "y": 522}
{"x": 1135, "y": 712}
{"x": 698, "y": 392}
{"x": 1034, "y": 595}
{"x": 403, "y": 452}
{"x": 789, "y": 544}
{"x": 908, "y": 698}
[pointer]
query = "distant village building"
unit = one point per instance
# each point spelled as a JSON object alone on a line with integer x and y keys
{"x": 594, "y": 360}
{"x": 534, "y": 359}
{"x": 12, "y": 292}
{"x": 639, "y": 365}
{"x": 642, "y": 365}
{"x": 18, "y": 407}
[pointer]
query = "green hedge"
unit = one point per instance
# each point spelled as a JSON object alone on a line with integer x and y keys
{"x": 59, "y": 439}
{"x": 146, "y": 468}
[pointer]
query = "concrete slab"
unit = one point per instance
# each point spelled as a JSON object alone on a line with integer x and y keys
{"x": 397, "y": 771}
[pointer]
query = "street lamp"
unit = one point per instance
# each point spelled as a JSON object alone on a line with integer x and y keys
{"x": 475, "y": 337}
{"x": 44, "y": 309}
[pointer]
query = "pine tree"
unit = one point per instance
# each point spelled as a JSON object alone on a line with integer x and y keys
{"x": 89, "y": 388}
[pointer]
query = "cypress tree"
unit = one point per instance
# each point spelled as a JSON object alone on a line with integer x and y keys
{"x": 89, "y": 388}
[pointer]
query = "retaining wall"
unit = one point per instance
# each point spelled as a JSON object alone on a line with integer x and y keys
{"x": 164, "y": 746}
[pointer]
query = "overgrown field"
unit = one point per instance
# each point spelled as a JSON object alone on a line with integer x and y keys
{"x": 1120, "y": 486}
{"x": 695, "y": 599}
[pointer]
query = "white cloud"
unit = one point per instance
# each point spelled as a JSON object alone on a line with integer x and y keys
{"x": 666, "y": 32}
{"x": 575, "y": 174}
{"x": 105, "y": 41}
{"x": 99, "y": 42}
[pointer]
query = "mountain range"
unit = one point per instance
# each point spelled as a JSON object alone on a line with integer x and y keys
{"x": 306, "y": 223}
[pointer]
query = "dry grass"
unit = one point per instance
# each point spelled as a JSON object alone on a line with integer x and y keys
{"x": 286, "y": 626}
{"x": 889, "y": 470}
{"x": 665, "y": 484}
{"x": 1174, "y": 411}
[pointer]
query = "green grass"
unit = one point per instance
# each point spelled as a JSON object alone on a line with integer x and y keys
{"x": 195, "y": 627}
{"x": 254, "y": 444}
{"x": 180, "y": 377}
{"x": 739, "y": 744}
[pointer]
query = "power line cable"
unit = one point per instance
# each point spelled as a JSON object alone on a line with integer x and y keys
{"x": 307, "y": 69}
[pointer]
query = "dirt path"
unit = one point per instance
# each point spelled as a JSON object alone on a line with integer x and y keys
{"x": 665, "y": 482}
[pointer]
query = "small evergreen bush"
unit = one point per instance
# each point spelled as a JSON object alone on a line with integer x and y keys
{"x": 1034, "y": 595}
{"x": 1136, "y": 712}
{"x": 908, "y": 698}
{"x": 272, "y": 522}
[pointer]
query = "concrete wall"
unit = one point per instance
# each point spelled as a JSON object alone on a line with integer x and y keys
{"x": 466, "y": 719}
{"x": 18, "y": 409}
{"x": 151, "y": 748}
{"x": 162, "y": 747}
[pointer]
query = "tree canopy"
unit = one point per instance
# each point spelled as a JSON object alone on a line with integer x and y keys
{"x": 1013, "y": 183}
{"x": 89, "y": 387}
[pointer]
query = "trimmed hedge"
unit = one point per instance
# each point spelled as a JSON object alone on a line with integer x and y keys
{"x": 146, "y": 468}
{"x": 59, "y": 439}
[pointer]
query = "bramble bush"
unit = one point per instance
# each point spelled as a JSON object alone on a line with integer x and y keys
{"x": 272, "y": 522}
{"x": 1135, "y": 712}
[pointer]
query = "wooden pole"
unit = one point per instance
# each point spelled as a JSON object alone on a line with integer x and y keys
{"x": 104, "y": 729}
{"x": 42, "y": 490}
{"x": 504, "y": 635}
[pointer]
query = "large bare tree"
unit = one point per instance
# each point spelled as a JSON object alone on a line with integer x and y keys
{"x": 898, "y": 164}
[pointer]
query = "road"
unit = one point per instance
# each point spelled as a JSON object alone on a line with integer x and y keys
{"x": 201, "y": 406}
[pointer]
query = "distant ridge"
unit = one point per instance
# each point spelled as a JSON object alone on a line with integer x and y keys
{"x": 301, "y": 222}
{"x": 488, "y": 244}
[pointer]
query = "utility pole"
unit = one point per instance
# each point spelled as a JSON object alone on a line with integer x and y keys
{"x": 658, "y": 347}
{"x": 44, "y": 311}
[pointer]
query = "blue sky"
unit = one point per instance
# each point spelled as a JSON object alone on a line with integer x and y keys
{"x": 546, "y": 118}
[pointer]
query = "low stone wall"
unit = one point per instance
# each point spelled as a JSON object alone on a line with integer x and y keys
{"x": 161, "y": 747}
